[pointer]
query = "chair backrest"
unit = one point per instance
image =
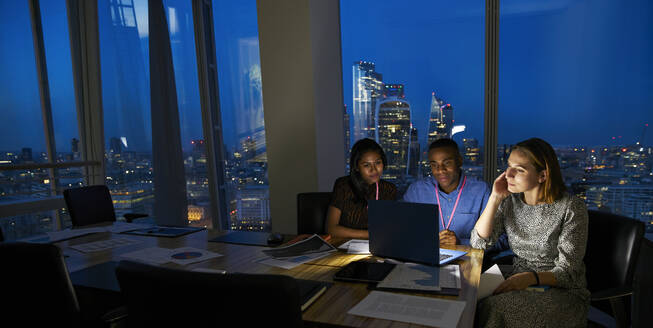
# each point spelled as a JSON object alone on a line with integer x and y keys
{"x": 311, "y": 212}
{"x": 159, "y": 296}
{"x": 36, "y": 286}
{"x": 613, "y": 244}
{"x": 89, "y": 205}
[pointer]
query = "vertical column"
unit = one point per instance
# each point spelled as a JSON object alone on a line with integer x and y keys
{"x": 85, "y": 57}
{"x": 210, "y": 101}
{"x": 491, "y": 89}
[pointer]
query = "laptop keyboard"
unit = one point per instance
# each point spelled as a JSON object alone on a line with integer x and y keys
{"x": 444, "y": 256}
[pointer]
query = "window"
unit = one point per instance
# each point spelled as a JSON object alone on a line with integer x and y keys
{"x": 413, "y": 72}
{"x": 241, "y": 105}
{"x": 124, "y": 54}
{"x": 584, "y": 86}
{"x": 182, "y": 41}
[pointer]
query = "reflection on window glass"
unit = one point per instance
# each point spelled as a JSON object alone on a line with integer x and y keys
{"x": 182, "y": 42}
{"x": 126, "y": 103}
{"x": 585, "y": 87}
{"x": 241, "y": 104}
{"x": 413, "y": 74}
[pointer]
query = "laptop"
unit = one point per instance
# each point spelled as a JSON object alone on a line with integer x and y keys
{"x": 407, "y": 232}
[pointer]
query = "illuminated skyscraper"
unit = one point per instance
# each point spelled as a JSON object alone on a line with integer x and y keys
{"x": 471, "y": 152}
{"x": 436, "y": 122}
{"x": 394, "y": 134}
{"x": 414, "y": 153}
{"x": 367, "y": 89}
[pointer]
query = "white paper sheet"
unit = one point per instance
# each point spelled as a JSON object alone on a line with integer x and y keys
{"x": 152, "y": 255}
{"x": 412, "y": 276}
{"x": 290, "y": 262}
{"x": 119, "y": 227}
{"x": 188, "y": 255}
{"x": 361, "y": 247}
{"x": 181, "y": 256}
{"x": 102, "y": 245}
{"x": 70, "y": 233}
{"x": 426, "y": 311}
{"x": 490, "y": 280}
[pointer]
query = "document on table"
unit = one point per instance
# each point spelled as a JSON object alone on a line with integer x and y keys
{"x": 119, "y": 227}
{"x": 356, "y": 246}
{"x": 181, "y": 256}
{"x": 434, "y": 312}
{"x": 102, "y": 245}
{"x": 422, "y": 277}
{"x": 290, "y": 262}
{"x": 490, "y": 280}
{"x": 70, "y": 233}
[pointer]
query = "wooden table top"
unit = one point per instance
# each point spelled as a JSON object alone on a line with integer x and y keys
{"x": 331, "y": 308}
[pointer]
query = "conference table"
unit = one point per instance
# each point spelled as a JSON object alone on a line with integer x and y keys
{"x": 330, "y": 309}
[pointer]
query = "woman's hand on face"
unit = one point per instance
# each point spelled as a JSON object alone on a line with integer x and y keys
{"x": 500, "y": 186}
{"x": 517, "y": 281}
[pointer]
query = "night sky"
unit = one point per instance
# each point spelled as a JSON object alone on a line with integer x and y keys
{"x": 571, "y": 72}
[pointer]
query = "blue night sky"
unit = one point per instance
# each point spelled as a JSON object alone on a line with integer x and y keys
{"x": 571, "y": 72}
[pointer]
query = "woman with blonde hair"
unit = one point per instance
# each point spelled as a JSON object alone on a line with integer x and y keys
{"x": 547, "y": 230}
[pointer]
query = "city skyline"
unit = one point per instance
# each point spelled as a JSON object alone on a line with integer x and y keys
{"x": 568, "y": 92}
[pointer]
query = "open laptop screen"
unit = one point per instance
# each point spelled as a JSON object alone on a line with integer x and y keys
{"x": 404, "y": 231}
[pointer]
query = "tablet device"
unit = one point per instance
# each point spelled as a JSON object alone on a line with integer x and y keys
{"x": 364, "y": 271}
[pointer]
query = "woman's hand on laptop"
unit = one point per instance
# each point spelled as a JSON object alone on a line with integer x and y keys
{"x": 448, "y": 238}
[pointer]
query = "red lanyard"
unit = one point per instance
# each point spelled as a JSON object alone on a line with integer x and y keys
{"x": 377, "y": 194}
{"x": 437, "y": 196}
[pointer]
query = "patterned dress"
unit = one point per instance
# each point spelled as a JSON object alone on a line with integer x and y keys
{"x": 354, "y": 214}
{"x": 546, "y": 237}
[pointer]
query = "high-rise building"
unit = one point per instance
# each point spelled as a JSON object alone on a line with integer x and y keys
{"x": 394, "y": 132}
{"x": 74, "y": 145}
{"x": 26, "y": 155}
{"x": 345, "y": 123}
{"x": 115, "y": 146}
{"x": 437, "y": 126}
{"x": 471, "y": 152}
{"x": 367, "y": 89}
{"x": 413, "y": 154}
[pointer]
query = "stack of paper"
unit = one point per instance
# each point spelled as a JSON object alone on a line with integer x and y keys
{"x": 288, "y": 257}
{"x": 181, "y": 256}
{"x": 356, "y": 246}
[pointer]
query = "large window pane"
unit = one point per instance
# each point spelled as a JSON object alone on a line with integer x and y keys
{"x": 22, "y": 138}
{"x": 241, "y": 104}
{"x": 412, "y": 73}
{"x": 182, "y": 41}
{"x": 124, "y": 57}
{"x": 584, "y": 86}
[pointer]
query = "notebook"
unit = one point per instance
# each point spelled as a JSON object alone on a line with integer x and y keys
{"x": 407, "y": 232}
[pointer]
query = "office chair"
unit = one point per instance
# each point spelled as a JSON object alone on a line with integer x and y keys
{"x": 36, "y": 286}
{"x": 158, "y": 296}
{"x": 613, "y": 245}
{"x": 311, "y": 212}
{"x": 92, "y": 204}
{"x": 2, "y": 236}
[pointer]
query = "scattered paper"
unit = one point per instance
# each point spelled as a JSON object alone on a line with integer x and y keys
{"x": 434, "y": 312}
{"x": 70, "y": 233}
{"x": 188, "y": 255}
{"x": 412, "y": 276}
{"x": 290, "y": 262}
{"x": 490, "y": 280}
{"x": 360, "y": 246}
{"x": 102, "y": 245}
{"x": 118, "y": 227}
{"x": 153, "y": 255}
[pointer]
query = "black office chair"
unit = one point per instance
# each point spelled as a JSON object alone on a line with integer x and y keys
{"x": 92, "y": 204}
{"x": 2, "y": 236}
{"x": 164, "y": 297}
{"x": 613, "y": 244}
{"x": 311, "y": 212}
{"x": 36, "y": 287}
